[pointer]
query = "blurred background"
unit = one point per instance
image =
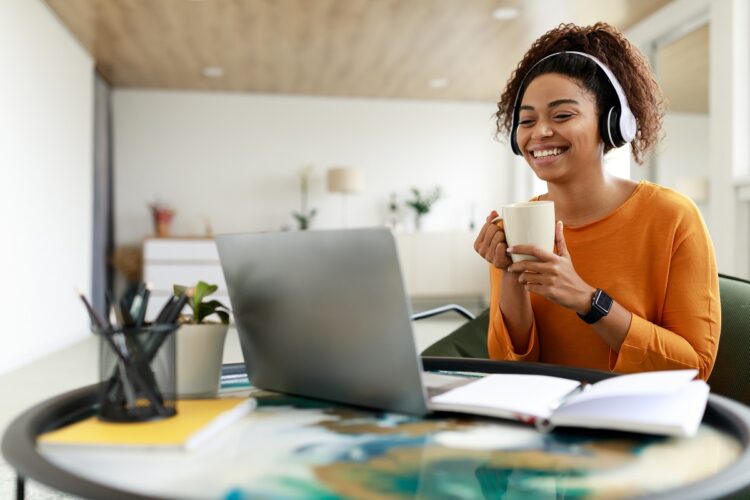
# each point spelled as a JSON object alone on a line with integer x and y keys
{"x": 132, "y": 131}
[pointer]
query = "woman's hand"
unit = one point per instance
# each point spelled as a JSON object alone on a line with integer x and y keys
{"x": 491, "y": 244}
{"x": 553, "y": 276}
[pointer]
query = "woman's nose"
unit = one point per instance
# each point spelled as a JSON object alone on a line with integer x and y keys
{"x": 542, "y": 130}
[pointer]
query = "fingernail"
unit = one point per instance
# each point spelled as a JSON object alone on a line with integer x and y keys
{"x": 510, "y": 249}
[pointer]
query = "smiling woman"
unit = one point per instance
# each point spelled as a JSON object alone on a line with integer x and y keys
{"x": 632, "y": 284}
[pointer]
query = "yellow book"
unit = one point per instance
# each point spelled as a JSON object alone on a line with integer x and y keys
{"x": 196, "y": 421}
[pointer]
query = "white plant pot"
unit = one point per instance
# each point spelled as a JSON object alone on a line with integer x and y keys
{"x": 200, "y": 350}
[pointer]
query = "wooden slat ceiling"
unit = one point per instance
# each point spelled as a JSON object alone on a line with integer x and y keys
{"x": 365, "y": 48}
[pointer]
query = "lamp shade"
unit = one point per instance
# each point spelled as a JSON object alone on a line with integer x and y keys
{"x": 345, "y": 180}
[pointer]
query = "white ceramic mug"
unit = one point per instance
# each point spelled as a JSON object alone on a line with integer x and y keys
{"x": 530, "y": 223}
{"x": 200, "y": 350}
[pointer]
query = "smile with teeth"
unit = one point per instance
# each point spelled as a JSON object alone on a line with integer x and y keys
{"x": 543, "y": 153}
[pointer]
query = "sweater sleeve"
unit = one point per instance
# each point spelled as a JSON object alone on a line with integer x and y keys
{"x": 499, "y": 344}
{"x": 687, "y": 335}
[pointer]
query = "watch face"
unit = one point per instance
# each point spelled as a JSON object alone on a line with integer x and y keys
{"x": 602, "y": 302}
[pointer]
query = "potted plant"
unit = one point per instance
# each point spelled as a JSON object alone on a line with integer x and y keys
{"x": 422, "y": 203}
{"x": 200, "y": 342}
{"x": 162, "y": 215}
{"x": 305, "y": 216}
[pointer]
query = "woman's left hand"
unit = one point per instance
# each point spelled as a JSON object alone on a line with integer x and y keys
{"x": 553, "y": 276}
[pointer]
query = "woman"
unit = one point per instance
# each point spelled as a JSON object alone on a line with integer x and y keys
{"x": 632, "y": 285}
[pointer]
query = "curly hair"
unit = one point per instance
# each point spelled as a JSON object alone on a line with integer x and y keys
{"x": 609, "y": 46}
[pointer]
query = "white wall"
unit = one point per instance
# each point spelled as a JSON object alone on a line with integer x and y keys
{"x": 729, "y": 97}
{"x": 234, "y": 159}
{"x": 684, "y": 151}
{"x": 46, "y": 111}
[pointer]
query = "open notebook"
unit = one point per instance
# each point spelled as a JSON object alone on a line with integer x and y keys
{"x": 663, "y": 402}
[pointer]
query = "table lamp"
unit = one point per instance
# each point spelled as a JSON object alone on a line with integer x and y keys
{"x": 345, "y": 180}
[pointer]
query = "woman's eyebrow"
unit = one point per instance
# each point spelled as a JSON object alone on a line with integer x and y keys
{"x": 552, "y": 104}
{"x": 558, "y": 102}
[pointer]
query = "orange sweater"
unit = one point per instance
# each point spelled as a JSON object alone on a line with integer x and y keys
{"x": 654, "y": 256}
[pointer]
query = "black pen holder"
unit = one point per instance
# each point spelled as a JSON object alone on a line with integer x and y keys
{"x": 137, "y": 373}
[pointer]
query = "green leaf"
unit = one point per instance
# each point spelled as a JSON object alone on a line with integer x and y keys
{"x": 224, "y": 316}
{"x": 202, "y": 289}
{"x": 215, "y": 304}
{"x": 206, "y": 309}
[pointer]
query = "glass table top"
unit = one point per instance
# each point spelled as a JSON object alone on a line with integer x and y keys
{"x": 297, "y": 447}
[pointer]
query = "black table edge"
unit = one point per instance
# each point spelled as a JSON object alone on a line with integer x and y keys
{"x": 19, "y": 440}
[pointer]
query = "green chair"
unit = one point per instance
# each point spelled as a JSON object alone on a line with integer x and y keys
{"x": 730, "y": 376}
{"x": 468, "y": 341}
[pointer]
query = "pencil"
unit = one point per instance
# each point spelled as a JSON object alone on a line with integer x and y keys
{"x": 96, "y": 320}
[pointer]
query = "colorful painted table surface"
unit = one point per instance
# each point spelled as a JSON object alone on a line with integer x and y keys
{"x": 293, "y": 447}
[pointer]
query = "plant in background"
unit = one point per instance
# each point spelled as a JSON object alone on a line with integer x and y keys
{"x": 422, "y": 204}
{"x": 201, "y": 309}
{"x": 304, "y": 217}
{"x": 392, "y": 219}
{"x": 162, "y": 215}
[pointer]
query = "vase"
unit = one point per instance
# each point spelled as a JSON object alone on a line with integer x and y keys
{"x": 418, "y": 221}
{"x": 163, "y": 228}
{"x": 200, "y": 349}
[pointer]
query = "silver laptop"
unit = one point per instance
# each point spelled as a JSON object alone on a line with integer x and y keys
{"x": 324, "y": 314}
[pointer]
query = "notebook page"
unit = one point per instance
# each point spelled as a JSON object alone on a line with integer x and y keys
{"x": 525, "y": 394}
{"x": 641, "y": 384}
{"x": 678, "y": 413}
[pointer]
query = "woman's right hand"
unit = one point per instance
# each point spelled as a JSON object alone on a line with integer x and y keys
{"x": 491, "y": 244}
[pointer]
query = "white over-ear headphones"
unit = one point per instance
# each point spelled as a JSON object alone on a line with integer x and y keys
{"x": 617, "y": 125}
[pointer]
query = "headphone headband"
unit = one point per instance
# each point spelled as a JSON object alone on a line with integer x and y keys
{"x": 618, "y": 127}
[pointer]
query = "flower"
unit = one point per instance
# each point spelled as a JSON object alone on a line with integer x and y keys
{"x": 161, "y": 212}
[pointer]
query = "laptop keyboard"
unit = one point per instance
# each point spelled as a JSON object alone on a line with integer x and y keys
{"x": 436, "y": 391}
{"x": 436, "y": 383}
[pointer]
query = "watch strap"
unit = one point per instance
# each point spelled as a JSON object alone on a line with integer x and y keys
{"x": 601, "y": 303}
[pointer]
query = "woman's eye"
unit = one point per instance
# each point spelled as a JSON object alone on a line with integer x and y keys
{"x": 526, "y": 122}
{"x": 563, "y": 116}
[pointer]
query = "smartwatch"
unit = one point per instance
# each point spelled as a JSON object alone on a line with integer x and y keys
{"x": 601, "y": 303}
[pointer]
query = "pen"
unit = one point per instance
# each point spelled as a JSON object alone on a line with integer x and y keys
{"x": 567, "y": 397}
{"x": 127, "y": 384}
{"x": 127, "y": 319}
{"x": 96, "y": 320}
{"x": 161, "y": 317}
{"x": 135, "y": 304}
{"x": 115, "y": 318}
{"x": 143, "y": 305}
{"x": 174, "y": 313}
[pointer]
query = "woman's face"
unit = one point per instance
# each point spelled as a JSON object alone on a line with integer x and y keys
{"x": 558, "y": 129}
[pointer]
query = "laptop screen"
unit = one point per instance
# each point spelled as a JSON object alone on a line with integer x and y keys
{"x": 324, "y": 314}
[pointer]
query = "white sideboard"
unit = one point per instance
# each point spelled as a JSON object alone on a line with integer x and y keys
{"x": 180, "y": 261}
{"x": 436, "y": 265}
{"x": 442, "y": 265}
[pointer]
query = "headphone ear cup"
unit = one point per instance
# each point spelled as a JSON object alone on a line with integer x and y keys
{"x": 513, "y": 143}
{"x": 609, "y": 128}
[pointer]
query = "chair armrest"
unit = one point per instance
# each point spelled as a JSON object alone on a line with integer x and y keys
{"x": 443, "y": 309}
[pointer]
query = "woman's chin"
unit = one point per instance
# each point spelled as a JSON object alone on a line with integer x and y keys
{"x": 547, "y": 175}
